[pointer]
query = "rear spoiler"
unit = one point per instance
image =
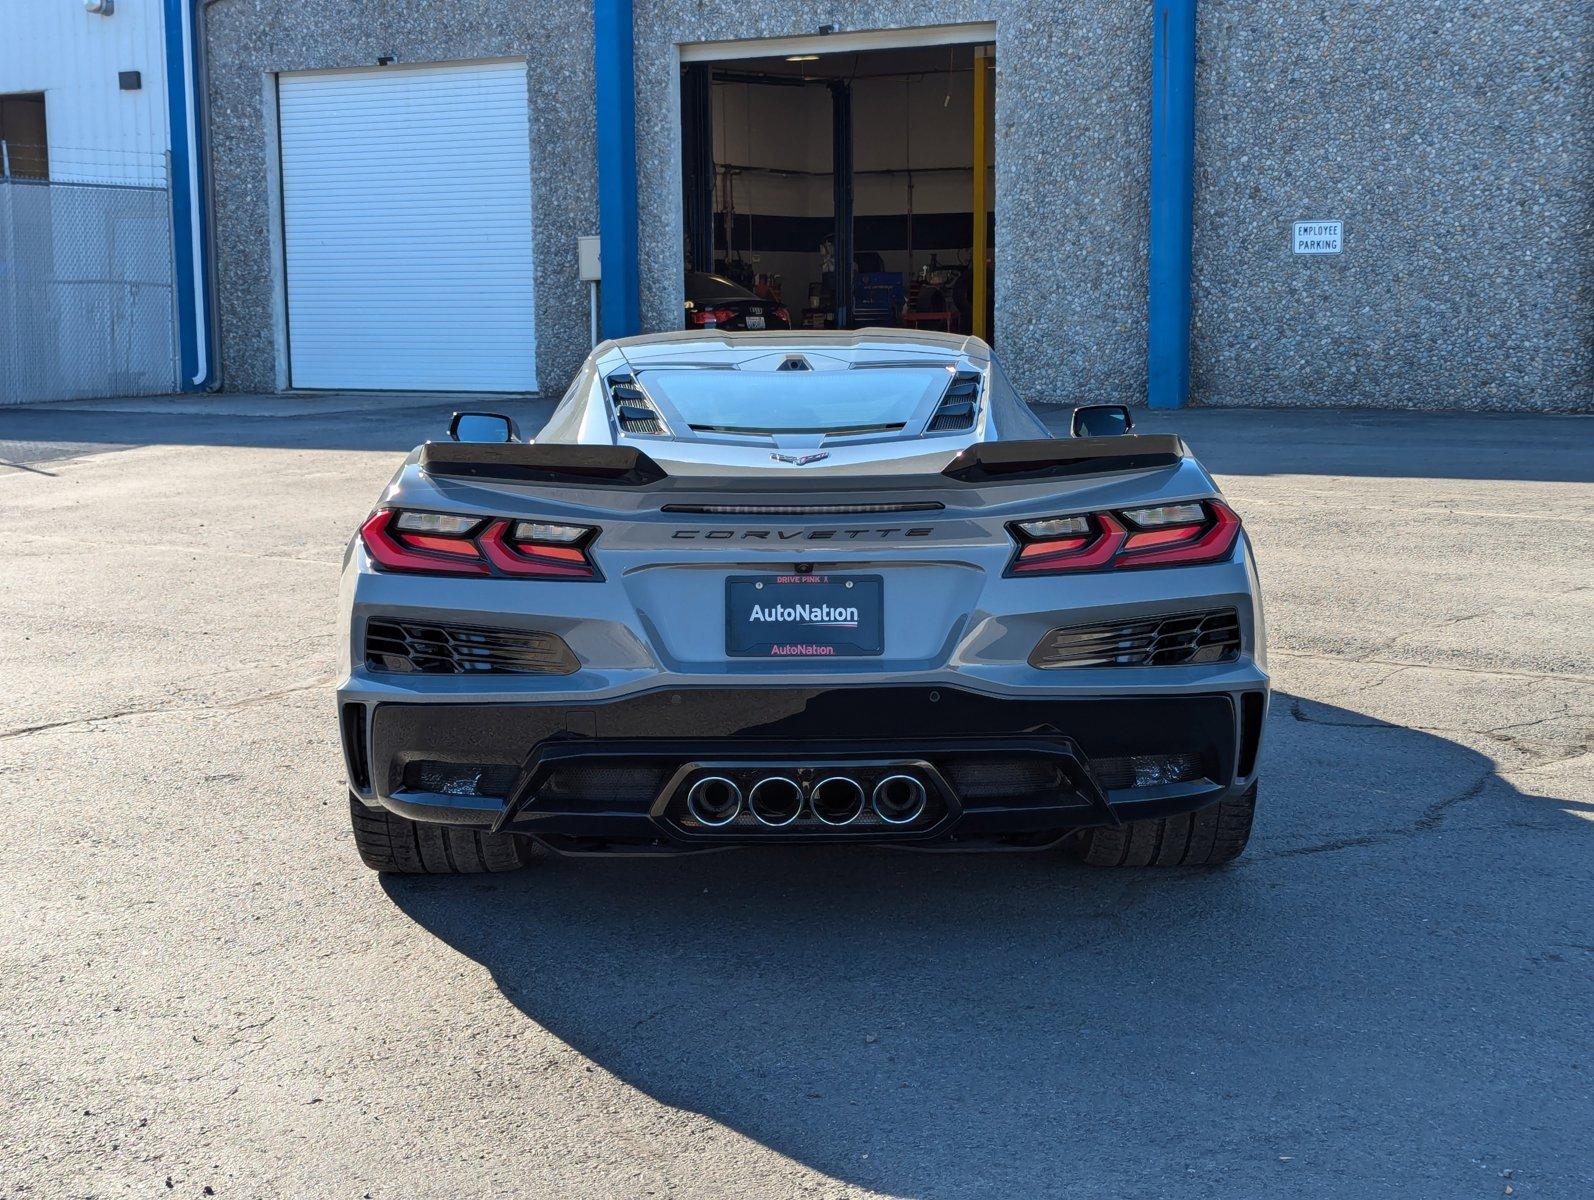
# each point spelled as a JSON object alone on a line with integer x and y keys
{"x": 626, "y": 466}
{"x": 612, "y": 466}
{"x": 1052, "y": 458}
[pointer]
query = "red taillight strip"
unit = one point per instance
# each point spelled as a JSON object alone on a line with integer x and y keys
{"x": 1097, "y": 554}
{"x": 1211, "y": 546}
{"x": 457, "y": 546}
{"x": 531, "y": 560}
{"x": 1116, "y": 547}
{"x": 1146, "y": 538}
{"x": 1052, "y": 546}
{"x": 436, "y": 554}
{"x": 395, "y": 556}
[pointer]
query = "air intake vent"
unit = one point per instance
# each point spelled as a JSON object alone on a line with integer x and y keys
{"x": 632, "y": 408}
{"x": 957, "y": 408}
{"x": 414, "y": 647}
{"x": 1153, "y": 642}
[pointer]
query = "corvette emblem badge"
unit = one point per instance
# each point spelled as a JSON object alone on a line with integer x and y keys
{"x": 800, "y": 460}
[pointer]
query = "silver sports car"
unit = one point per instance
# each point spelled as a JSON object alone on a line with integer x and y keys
{"x": 746, "y": 589}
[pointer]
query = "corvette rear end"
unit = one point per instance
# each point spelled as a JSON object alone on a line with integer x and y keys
{"x": 904, "y": 616}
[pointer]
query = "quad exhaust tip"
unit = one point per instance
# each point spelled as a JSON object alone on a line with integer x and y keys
{"x": 838, "y": 800}
{"x": 714, "y": 801}
{"x": 775, "y": 801}
{"x": 899, "y": 799}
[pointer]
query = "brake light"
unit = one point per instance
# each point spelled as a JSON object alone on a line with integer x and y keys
{"x": 523, "y": 558}
{"x": 1166, "y": 535}
{"x": 1095, "y": 549}
{"x": 782, "y": 314}
{"x": 453, "y": 545}
{"x": 710, "y": 316}
{"x": 394, "y": 550}
{"x": 1208, "y": 542}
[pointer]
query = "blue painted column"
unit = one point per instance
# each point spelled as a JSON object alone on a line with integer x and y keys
{"x": 190, "y": 236}
{"x": 1172, "y": 202}
{"x": 617, "y": 205}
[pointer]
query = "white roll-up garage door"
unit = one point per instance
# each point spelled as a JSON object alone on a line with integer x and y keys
{"x": 406, "y": 196}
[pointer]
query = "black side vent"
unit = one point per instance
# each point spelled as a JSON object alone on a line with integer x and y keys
{"x": 1161, "y": 641}
{"x": 1253, "y": 705}
{"x": 632, "y": 408}
{"x": 414, "y": 647}
{"x": 957, "y": 408}
{"x": 354, "y": 754}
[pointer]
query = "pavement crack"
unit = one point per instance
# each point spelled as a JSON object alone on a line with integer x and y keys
{"x": 1583, "y": 752}
{"x": 1368, "y": 839}
{"x": 1370, "y": 660}
{"x": 1428, "y": 820}
{"x": 16, "y": 466}
{"x": 1299, "y": 713}
{"x": 168, "y": 710}
{"x": 1435, "y": 812}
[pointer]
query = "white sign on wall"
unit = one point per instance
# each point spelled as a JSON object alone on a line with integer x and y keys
{"x": 1318, "y": 237}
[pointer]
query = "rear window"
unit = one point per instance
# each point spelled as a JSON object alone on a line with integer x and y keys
{"x": 699, "y": 286}
{"x": 861, "y": 399}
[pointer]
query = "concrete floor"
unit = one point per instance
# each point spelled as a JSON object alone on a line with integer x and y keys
{"x": 204, "y": 992}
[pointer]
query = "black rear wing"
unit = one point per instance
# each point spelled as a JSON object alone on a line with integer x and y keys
{"x": 626, "y": 466}
{"x": 517, "y": 462}
{"x": 1055, "y": 458}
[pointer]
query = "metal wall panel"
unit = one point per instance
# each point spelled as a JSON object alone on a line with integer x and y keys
{"x": 97, "y": 132}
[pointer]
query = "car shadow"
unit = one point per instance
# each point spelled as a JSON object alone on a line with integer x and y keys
{"x": 1014, "y": 1024}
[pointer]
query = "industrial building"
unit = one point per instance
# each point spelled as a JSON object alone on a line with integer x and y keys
{"x": 103, "y": 284}
{"x": 1220, "y": 203}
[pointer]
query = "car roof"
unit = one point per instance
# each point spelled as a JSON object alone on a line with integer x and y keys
{"x": 682, "y": 343}
{"x": 703, "y": 284}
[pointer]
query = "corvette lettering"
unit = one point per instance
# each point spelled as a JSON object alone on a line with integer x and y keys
{"x": 796, "y": 535}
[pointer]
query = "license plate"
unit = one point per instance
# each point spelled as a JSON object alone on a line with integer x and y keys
{"x": 755, "y": 322}
{"x": 804, "y": 616}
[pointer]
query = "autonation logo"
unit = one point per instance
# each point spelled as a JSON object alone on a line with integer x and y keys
{"x": 838, "y": 616}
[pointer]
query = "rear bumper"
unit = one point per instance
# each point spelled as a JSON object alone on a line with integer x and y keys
{"x": 1019, "y": 770}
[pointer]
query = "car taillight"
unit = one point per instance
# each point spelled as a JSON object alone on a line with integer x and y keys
{"x": 1199, "y": 531}
{"x": 782, "y": 314}
{"x": 445, "y": 544}
{"x": 710, "y": 316}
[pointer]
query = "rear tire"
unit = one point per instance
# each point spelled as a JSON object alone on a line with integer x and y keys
{"x": 1207, "y": 838}
{"x": 397, "y": 846}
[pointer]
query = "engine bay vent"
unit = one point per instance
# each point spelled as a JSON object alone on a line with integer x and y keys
{"x": 958, "y": 407}
{"x": 632, "y": 408}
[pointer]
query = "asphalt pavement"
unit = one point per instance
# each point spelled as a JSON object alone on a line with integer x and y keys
{"x": 205, "y": 993}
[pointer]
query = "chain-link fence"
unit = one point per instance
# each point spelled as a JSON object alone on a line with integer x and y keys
{"x": 86, "y": 291}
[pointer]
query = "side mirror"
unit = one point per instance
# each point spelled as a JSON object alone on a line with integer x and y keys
{"x": 482, "y": 427}
{"x": 1102, "y": 420}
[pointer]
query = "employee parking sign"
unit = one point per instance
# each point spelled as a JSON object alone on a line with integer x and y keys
{"x": 1318, "y": 237}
